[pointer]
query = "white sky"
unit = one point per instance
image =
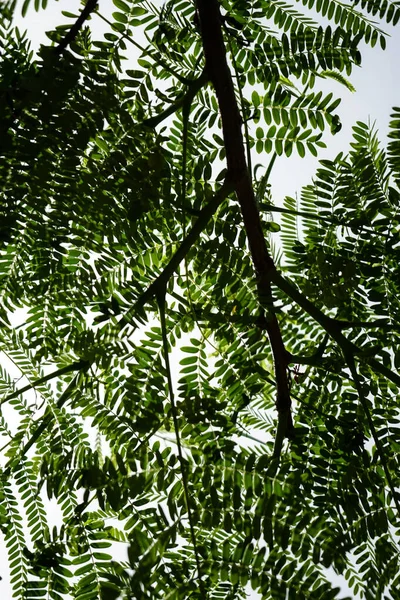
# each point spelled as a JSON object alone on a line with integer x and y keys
{"x": 377, "y": 85}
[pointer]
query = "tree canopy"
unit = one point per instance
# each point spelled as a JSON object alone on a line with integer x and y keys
{"x": 138, "y": 231}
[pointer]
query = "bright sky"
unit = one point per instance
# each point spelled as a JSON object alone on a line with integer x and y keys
{"x": 377, "y": 85}
{"x": 377, "y": 89}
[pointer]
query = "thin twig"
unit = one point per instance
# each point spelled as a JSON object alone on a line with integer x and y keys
{"x": 76, "y": 366}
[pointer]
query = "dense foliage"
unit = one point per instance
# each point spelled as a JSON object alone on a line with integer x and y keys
{"x": 135, "y": 233}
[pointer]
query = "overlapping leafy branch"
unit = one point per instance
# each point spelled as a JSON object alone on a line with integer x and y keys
{"x": 116, "y": 208}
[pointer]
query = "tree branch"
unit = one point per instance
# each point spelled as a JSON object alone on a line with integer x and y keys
{"x": 221, "y": 78}
{"x": 193, "y": 87}
{"x": 182, "y": 462}
{"x": 45, "y": 421}
{"x": 332, "y": 327}
{"x": 161, "y": 281}
{"x": 76, "y": 366}
{"x": 90, "y": 6}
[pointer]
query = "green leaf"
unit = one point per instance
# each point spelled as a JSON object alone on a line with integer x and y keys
{"x": 120, "y": 17}
{"x": 25, "y": 7}
{"x": 300, "y": 149}
{"x": 122, "y": 5}
{"x": 255, "y": 98}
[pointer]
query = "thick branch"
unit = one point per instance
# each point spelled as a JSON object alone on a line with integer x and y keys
{"x": 221, "y": 78}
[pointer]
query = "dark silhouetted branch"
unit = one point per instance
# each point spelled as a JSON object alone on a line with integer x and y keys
{"x": 90, "y": 7}
{"x": 221, "y": 78}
